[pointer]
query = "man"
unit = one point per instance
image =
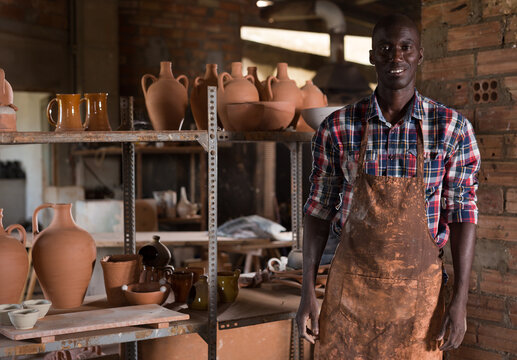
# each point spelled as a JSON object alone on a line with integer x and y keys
{"x": 396, "y": 171}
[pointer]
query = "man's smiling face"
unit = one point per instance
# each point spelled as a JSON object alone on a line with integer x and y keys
{"x": 396, "y": 55}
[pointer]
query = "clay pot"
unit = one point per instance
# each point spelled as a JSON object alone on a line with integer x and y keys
{"x": 181, "y": 283}
{"x": 228, "y": 285}
{"x": 69, "y": 118}
{"x": 260, "y": 85}
{"x": 119, "y": 270}
{"x": 166, "y": 98}
{"x": 146, "y": 293}
{"x": 198, "y": 296}
{"x": 63, "y": 256}
{"x": 155, "y": 254}
{"x": 6, "y": 92}
{"x": 277, "y": 115}
{"x": 7, "y": 118}
{"x": 97, "y": 112}
{"x": 282, "y": 88}
{"x": 234, "y": 88}
{"x": 312, "y": 96}
{"x": 14, "y": 263}
{"x": 244, "y": 116}
{"x": 199, "y": 96}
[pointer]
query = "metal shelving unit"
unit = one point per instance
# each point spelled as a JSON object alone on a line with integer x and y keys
{"x": 209, "y": 141}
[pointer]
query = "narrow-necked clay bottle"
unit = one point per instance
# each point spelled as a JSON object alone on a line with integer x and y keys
{"x": 312, "y": 96}
{"x": 166, "y": 98}
{"x": 14, "y": 263}
{"x": 199, "y": 96}
{"x": 234, "y": 88}
{"x": 261, "y": 86}
{"x": 282, "y": 88}
{"x": 63, "y": 255}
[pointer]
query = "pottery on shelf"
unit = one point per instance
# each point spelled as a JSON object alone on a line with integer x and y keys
{"x": 234, "y": 88}
{"x": 260, "y": 85}
{"x": 63, "y": 256}
{"x": 24, "y": 319}
{"x": 69, "y": 114}
{"x": 97, "y": 112}
{"x": 4, "y": 313}
{"x": 146, "y": 293}
{"x": 315, "y": 116}
{"x": 277, "y": 115}
{"x": 199, "y": 96}
{"x": 181, "y": 283}
{"x": 7, "y": 108}
{"x": 155, "y": 254}
{"x": 228, "y": 285}
{"x": 313, "y": 96}
{"x": 245, "y": 116}
{"x": 198, "y": 296}
{"x": 282, "y": 88}
{"x": 42, "y": 305}
{"x": 119, "y": 270}
{"x": 14, "y": 263}
{"x": 166, "y": 98}
{"x": 185, "y": 208}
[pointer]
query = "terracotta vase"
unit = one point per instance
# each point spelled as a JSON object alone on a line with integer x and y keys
{"x": 7, "y": 108}
{"x": 312, "y": 96}
{"x": 119, "y": 270}
{"x": 14, "y": 263}
{"x": 234, "y": 88}
{"x": 97, "y": 112}
{"x": 228, "y": 285}
{"x": 166, "y": 98}
{"x": 260, "y": 85}
{"x": 7, "y": 118}
{"x": 199, "y": 96}
{"x": 282, "y": 88}
{"x": 69, "y": 118}
{"x": 155, "y": 254}
{"x": 63, "y": 256}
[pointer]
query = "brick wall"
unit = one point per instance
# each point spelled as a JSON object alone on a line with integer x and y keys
{"x": 471, "y": 64}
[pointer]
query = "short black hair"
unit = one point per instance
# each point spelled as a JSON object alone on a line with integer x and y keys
{"x": 389, "y": 20}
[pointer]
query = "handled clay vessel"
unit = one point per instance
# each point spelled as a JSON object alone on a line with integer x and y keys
{"x": 63, "y": 255}
{"x": 199, "y": 96}
{"x": 7, "y": 108}
{"x": 97, "y": 111}
{"x": 282, "y": 88}
{"x": 312, "y": 96}
{"x": 14, "y": 263}
{"x": 69, "y": 117}
{"x": 234, "y": 88}
{"x": 166, "y": 98}
{"x": 260, "y": 85}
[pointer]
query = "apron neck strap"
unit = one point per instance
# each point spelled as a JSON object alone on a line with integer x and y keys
{"x": 419, "y": 147}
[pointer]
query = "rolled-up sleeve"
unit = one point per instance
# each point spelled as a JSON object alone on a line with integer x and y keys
{"x": 460, "y": 180}
{"x": 326, "y": 177}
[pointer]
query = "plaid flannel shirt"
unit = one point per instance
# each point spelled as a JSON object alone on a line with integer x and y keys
{"x": 451, "y": 158}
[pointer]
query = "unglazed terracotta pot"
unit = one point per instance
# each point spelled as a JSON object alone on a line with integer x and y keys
{"x": 277, "y": 115}
{"x": 97, "y": 112}
{"x": 228, "y": 285}
{"x": 7, "y": 118}
{"x": 69, "y": 118}
{"x": 244, "y": 116}
{"x": 313, "y": 96}
{"x": 7, "y": 108}
{"x": 234, "y": 88}
{"x": 119, "y": 270}
{"x": 260, "y": 85}
{"x": 14, "y": 263}
{"x": 166, "y": 98}
{"x": 63, "y": 255}
{"x": 146, "y": 293}
{"x": 199, "y": 96}
{"x": 282, "y": 88}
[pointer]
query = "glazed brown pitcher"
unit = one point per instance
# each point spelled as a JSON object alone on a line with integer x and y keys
{"x": 69, "y": 117}
{"x": 97, "y": 111}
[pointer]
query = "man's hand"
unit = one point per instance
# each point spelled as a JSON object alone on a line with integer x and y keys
{"x": 456, "y": 320}
{"x": 308, "y": 310}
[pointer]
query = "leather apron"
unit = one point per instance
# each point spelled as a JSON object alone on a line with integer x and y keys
{"x": 383, "y": 295}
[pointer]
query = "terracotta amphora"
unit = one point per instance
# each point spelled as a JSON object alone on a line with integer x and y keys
{"x": 228, "y": 285}
{"x": 282, "y": 88}
{"x": 312, "y": 96}
{"x": 119, "y": 270}
{"x": 234, "y": 88}
{"x": 260, "y": 85}
{"x": 166, "y": 98}
{"x": 199, "y": 96}
{"x": 14, "y": 263}
{"x": 7, "y": 108}
{"x": 69, "y": 118}
{"x": 97, "y": 112}
{"x": 63, "y": 255}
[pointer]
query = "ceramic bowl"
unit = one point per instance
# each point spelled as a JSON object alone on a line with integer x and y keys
{"x": 4, "y": 310}
{"x": 24, "y": 318}
{"x": 146, "y": 293}
{"x": 315, "y": 116}
{"x": 277, "y": 115}
{"x": 41, "y": 305}
{"x": 243, "y": 116}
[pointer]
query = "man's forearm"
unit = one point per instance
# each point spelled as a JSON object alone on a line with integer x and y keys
{"x": 462, "y": 238}
{"x": 315, "y": 235}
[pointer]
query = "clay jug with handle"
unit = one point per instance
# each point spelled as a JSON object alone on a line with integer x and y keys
{"x": 166, "y": 98}
{"x": 282, "y": 88}
{"x": 14, "y": 263}
{"x": 63, "y": 255}
{"x": 199, "y": 96}
{"x": 69, "y": 118}
{"x": 234, "y": 88}
{"x": 313, "y": 97}
{"x": 97, "y": 112}
{"x": 260, "y": 85}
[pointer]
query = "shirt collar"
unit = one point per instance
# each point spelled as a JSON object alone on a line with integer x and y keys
{"x": 417, "y": 110}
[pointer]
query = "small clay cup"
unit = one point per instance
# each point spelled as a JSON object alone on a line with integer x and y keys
{"x": 181, "y": 283}
{"x": 146, "y": 293}
{"x": 228, "y": 285}
{"x": 4, "y": 310}
{"x": 42, "y": 305}
{"x": 24, "y": 318}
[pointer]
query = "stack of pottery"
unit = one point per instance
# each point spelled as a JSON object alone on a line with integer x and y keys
{"x": 199, "y": 96}
{"x": 166, "y": 98}
{"x": 7, "y": 108}
{"x": 63, "y": 256}
{"x": 313, "y": 97}
{"x": 119, "y": 270}
{"x": 14, "y": 263}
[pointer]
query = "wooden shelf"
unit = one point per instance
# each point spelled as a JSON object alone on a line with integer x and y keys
{"x": 192, "y": 220}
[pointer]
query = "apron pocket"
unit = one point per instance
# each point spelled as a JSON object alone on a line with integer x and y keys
{"x": 376, "y": 301}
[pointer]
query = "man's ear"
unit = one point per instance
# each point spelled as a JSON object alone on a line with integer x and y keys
{"x": 421, "y": 57}
{"x": 371, "y": 58}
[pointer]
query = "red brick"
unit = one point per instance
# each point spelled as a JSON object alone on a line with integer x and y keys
{"x": 497, "y": 338}
{"x": 474, "y": 36}
{"x": 499, "y": 7}
{"x": 492, "y": 281}
{"x": 498, "y": 173}
{"x": 468, "y": 353}
{"x": 512, "y": 257}
{"x": 490, "y": 200}
{"x": 511, "y": 201}
{"x": 460, "y": 93}
{"x": 497, "y": 61}
{"x": 511, "y": 82}
{"x": 229, "y": 6}
{"x": 452, "y": 13}
{"x": 473, "y": 280}
{"x": 513, "y": 313}
{"x": 491, "y": 146}
{"x": 496, "y": 118}
{"x": 485, "y": 307}
{"x": 468, "y": 113}
{"x": 456, "y": 67}
{"x": 497, "y": 228}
